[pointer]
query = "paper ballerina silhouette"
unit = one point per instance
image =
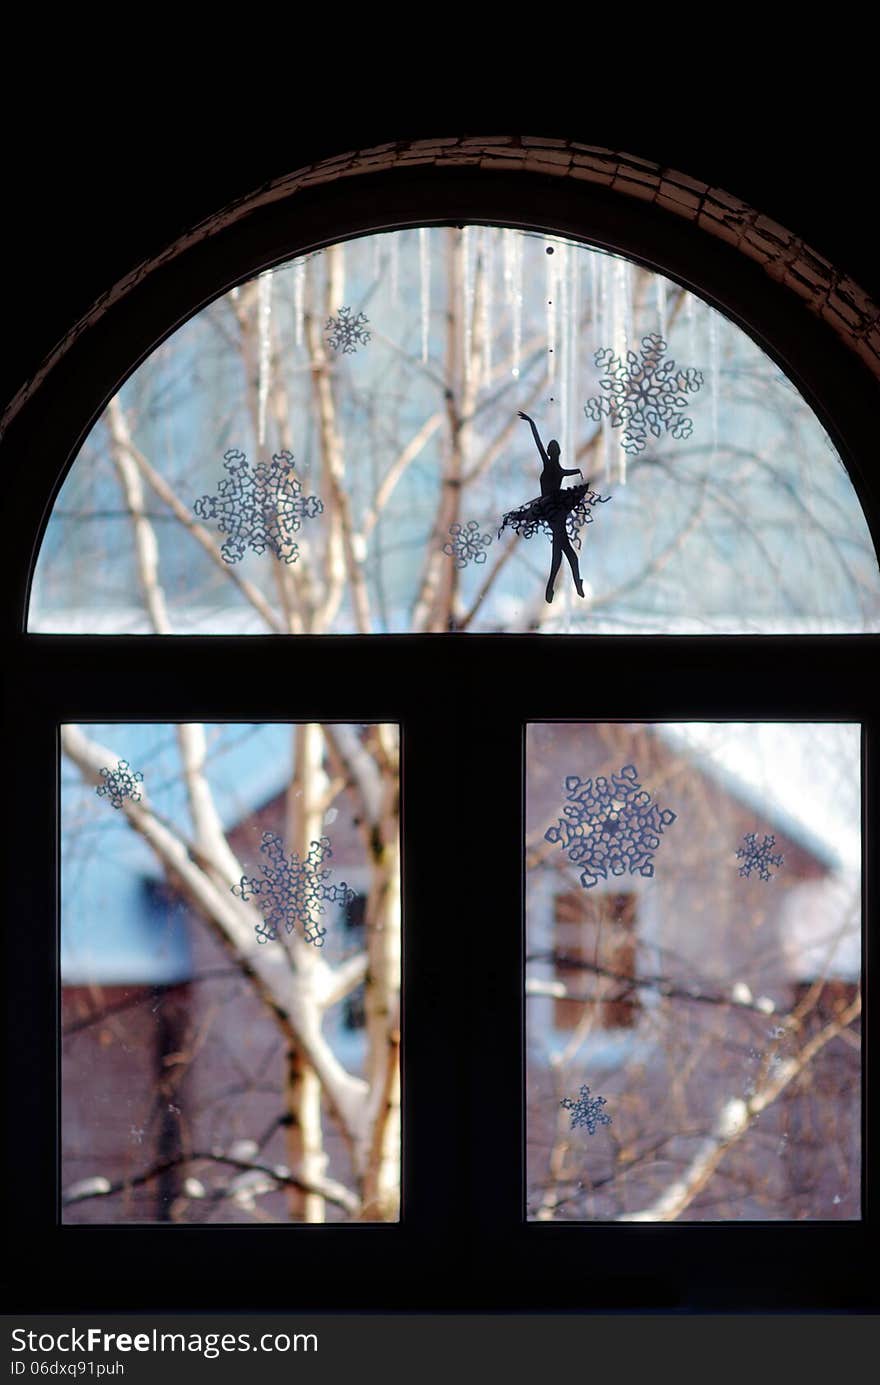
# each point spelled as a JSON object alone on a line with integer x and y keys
{"x": 559, "y": 513}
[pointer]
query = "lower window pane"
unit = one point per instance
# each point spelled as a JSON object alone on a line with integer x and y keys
{"x": 230, "y": 973}
{"x": 693, "y": 962}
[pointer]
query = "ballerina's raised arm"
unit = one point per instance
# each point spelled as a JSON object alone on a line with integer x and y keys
{"x": 551, "y": 462}
{"x": 535, "y": 434}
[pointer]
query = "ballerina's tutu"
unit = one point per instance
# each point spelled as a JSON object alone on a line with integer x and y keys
{"x": 574, "y": 503}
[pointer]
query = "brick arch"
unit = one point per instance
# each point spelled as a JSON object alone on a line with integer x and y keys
{"x": 833, "y": 297}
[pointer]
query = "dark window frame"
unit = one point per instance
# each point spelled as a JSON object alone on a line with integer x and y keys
{"x": 463, "y": 1242}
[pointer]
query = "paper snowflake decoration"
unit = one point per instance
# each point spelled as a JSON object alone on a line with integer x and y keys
{"x": 468, "y": 544}
{"x": 643, "y": 394}
{"x": 346, "y": 333}
{"x": 259, "y": 509}
{"x": 120, "y": 783}
{"x": 758, "y": 856}
{"x": 292, "y": 891}
{"x": 610, "y": 826}
{"x": 586, "y": 1111}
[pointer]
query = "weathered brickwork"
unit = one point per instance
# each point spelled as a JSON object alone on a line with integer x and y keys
{"x": 832, "y": 296}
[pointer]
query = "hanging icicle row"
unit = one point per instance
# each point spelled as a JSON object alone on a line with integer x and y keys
{"x": 425, "y": 286}
{"x": 264, "y": 336}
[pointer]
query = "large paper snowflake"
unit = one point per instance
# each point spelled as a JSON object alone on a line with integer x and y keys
{"x": 467, "y": 543}
{"x": 259, "y": 509}
{"x": 120, "y": 783}
{"x": 586, "y": 1111}
{"x": 643, "y": 394}
{"x": 610, "y": 826}
{"x": 346, "y": 333}
{"x": 758, "y": 856}
{"x": 292, "y": 891}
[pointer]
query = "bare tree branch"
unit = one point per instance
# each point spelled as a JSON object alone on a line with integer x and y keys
{"x": 732, "y": 1122}
{"x": 326, "y": 1188}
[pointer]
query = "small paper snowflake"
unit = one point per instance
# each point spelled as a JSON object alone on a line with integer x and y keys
{"x": 120, "y": 783}
{"x": 758, "y": 856}
{"x": 610, "y": 826}
{"x": 468, "y": 544}
{"x": 586, "y": 1111}
{"x": 643, "y": 394}
{"x": 346, "y": 333}
{"x": 259, "y": 509}
{"x": 292, "y": 891}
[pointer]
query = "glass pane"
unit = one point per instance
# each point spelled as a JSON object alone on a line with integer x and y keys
{"x": 230, "y": 970}
{"x": 693, "y": 961}
{"x": 339, "y": 446}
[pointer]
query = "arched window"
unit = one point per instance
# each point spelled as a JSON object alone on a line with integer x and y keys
{"x": 388, "y": 375}
{"x": 307, "y": 425}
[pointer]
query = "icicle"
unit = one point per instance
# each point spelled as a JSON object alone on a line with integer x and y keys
{"x": 425, "y": 281}
{"x": 264, "y": 334}
{"x": 690, "y": 319}
{"x": 628, "y": 306}
{"x": 551, "y": 305}
{"x": 337, "y": 273}
{"x": 563, "y": 286}
{"x": 517, "y": 303}
{"x": 660, "y": 289}
{"x": 299, "y": 289}
{"x": 507, "y": 243}
{"x": 574, "y": 311}
{"x": 593, "y": 339}
{"x": 488, "y": 244}
{"x": 468, "y": 296}
{"x": 604, "y": 335}
{"x": 714, "y": 377}
{"x": 395, "y": 268}
{"x": 619, "y": 340}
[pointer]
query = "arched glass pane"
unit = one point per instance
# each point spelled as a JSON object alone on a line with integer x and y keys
{"x": 387, "y": 377}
